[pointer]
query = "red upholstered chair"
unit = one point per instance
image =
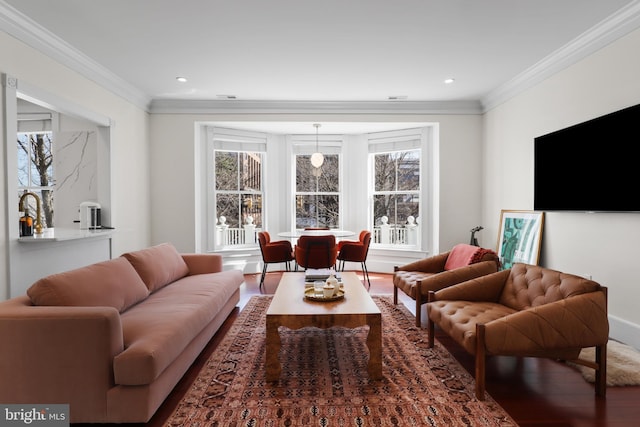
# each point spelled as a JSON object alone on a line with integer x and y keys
{"x": 355, "y": 252}
{"x": 463, "y": 262}
{"x": 274, "y": 252}
{"x": 316, "y": 251}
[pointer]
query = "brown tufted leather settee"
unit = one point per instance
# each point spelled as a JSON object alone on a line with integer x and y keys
{"x": 463, "y": 262}
{"x": 526, "y": 311}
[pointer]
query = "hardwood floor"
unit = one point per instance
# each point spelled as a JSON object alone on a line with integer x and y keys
{"x": 535, "y": 392}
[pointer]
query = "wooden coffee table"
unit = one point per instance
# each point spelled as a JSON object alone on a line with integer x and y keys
{"x": 290, "y": 309}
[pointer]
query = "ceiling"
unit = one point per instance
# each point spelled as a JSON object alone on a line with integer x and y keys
{"x": 323, "y": 51}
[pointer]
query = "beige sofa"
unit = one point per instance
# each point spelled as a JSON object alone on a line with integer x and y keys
{"x": 113, "y": 339}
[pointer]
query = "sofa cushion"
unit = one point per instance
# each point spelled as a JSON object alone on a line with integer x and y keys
{"x": 112, "y": 283}
{"x": 157, "y": 331}
{"x": 459, "y": 318}
{"x": 158, "y": 265}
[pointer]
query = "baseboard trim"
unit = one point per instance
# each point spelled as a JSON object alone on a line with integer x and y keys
{"x": 624, "y": 331}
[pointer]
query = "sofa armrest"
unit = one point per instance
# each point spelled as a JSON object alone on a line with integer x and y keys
{"x": 203, "y": 263}
{"x": 483, "y": 287}
{"x": 576, "y": 322}
{"x": 432, "y": 264}
{"x": 56, "y": 354}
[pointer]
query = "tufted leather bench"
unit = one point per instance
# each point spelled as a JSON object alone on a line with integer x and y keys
{"x": 526, "y": 311}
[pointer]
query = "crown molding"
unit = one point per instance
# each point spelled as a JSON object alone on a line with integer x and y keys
{"x": 26, "y": 30}
{"x": 29, "y": 32}
{"x": 607, "y": 31}
{"x": 313, "y": 107}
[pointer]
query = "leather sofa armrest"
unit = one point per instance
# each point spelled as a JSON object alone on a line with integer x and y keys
{"x": 58, "y": 354}
{"x": 576, "y": 322}
{"x": 203, "y": 263}
{"x": 483, "y": 287}
{"x": 432, "y": 264}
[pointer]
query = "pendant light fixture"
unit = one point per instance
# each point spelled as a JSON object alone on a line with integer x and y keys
{"x": 317, "y": 159}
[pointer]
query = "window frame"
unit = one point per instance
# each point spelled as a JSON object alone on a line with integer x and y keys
{"x": 232, "y": 140}
{"x": 305, "y": 145}
{"x": 30, "y": 186}
{"x": 399, "y": 141}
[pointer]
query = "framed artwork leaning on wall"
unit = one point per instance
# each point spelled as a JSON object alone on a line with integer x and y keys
{"x": 520, "y": 237}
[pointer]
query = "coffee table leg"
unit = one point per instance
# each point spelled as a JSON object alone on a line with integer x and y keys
{"x": 374, "y": 343}
{"x": 272, "y": 364}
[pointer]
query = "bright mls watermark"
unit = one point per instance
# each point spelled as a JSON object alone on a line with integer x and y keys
{"x": 54, "y": 415}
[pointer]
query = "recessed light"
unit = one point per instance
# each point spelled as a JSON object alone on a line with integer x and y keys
{"x": 181, "y": 79}
{"x": 449, "y": 80}
{"x": 397, "y": 97}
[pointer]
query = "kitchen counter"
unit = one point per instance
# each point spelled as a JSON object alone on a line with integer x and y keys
{"x": 54, "y": 251}
{"x": 64, "y": 234}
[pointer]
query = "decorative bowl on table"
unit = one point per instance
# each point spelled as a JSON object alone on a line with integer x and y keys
{"x": 312, "y": 295}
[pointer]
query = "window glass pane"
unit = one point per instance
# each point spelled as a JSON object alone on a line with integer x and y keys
{"x": 382, "y": 207}
{"x": 385, "y": 172}
{"x": 329, "y": 179}
{"x": 406, "y": 205}
{"x": 252, "y": 207}
{"x": 305, "y": 174}
{"x": 47, "y": 207}
{"x": 408, "y": 164}
{"x": 251, "y": 171}
{"x": 397, "y": 171}
{"x": 43, "y": 159}
{"x": 35, "y": 160}
{"x": 228, "y": 205}
{"x": 226, "y": 173}
{"x": 323, "y": 179}
{"x": 24, "y": 162}
{"x": 314, "y": 210}
{"x": 396, "y": 207}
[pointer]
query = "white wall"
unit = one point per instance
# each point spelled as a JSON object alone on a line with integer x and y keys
{"x": 175, "y": 179}
{"x": 129, "y": 149}
{"x": 602, "y": 245}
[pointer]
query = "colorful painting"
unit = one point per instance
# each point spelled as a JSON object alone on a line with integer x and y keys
{"x": 520, "y": 237}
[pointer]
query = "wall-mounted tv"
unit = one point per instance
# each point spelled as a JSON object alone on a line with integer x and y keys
{"x": 591, "y": 166}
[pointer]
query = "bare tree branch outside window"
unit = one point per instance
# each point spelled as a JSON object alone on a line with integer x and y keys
{"x": 35, "y": 171}
{"x": 317, "y": 192}
{"x": 397, "y": 186}
{"x": 238, "y": 184}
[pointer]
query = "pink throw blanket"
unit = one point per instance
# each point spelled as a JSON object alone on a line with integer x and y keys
{"x": 463, "y": 254}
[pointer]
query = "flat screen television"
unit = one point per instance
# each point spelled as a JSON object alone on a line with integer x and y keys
{"x": 591, "y": 166}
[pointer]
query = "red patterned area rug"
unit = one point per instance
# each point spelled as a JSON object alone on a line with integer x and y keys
{"x": 324, "y": 379}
